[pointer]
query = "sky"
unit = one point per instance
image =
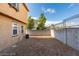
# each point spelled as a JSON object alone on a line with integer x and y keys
{"x": 54, "y": 12}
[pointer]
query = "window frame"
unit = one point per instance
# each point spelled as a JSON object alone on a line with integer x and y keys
{"x": 22, "y": 29}
{"x": 16, "y": 7}
{"x": 14, "y": 27}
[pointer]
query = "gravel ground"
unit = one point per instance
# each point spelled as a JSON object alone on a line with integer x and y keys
{"x": 39, "y": 47}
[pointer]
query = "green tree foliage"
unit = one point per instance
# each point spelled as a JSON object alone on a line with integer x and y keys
{"x": 30, "y": 23}
{"x": 41, "y": 22}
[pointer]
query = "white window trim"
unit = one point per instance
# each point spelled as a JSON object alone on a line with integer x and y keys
{"x": 15, "y": 6}
{"x": 13, "y": 35}
{"x": 21, "y": 29}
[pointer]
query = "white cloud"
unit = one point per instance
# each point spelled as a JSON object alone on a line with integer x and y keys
{"x": 34, "y": 18}
{"x": 71, "y": 5}
{"x": 52, "y": 22}
{"x": 48, "y": 10}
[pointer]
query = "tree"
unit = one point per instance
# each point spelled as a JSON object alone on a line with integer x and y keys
{"x": 30, "y": 23}
{"x": 41, "y": 22}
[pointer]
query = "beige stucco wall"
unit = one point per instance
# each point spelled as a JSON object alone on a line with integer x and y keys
{"x": 8, "y": 10}
{"x": 6, "y": 38}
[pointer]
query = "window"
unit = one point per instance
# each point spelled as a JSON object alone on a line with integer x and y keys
{"x": 15, "y": 6}
{"x": 14, "y": 28}
{"x": 22, "y": 29}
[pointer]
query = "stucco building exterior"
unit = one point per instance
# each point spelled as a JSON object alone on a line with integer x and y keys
{"x": 13, "y": 20}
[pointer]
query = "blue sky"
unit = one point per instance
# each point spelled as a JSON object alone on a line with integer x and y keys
{"x": 54, "y": 12}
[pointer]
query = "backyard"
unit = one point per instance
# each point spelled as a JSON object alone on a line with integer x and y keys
{"x": 39, "y": 47}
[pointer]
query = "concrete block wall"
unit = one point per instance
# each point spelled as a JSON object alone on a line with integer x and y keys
{"x": 39, "y": 32}
{"x": 69, "y": 36}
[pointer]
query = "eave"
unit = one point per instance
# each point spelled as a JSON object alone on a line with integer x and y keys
{"x": 12, "y": 17}
{"x": 26, "y": 7}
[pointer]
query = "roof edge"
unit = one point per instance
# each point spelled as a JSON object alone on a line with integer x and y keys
{"x": 25, "y": 6}
{"x": 12, "y": 17}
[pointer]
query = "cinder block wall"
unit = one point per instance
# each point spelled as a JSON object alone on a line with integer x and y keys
{"x": 73, "y": 37}
{"x": 39, "y": 32}
{"x": 60, "y": 35}
{"x": 69, "y": 36}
